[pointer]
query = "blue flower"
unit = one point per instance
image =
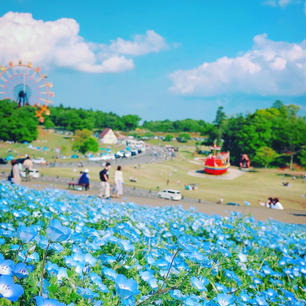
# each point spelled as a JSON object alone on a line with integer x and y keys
{"x": 6, "y": 267}
{"x": 261, "y": 301}
{"x": 148, "y": 277}
{"x": 56, "y": 232}
{"x": 109, "y": 273}
{"x": 87, "y": 293}
{"x": 26, "y": 234}
{"x": 198, "y": 283}
{"x": 224, "y": 299}
{"x": 126, "y": 245}
{"x": 126, "y": 287}
{"x": 9, "y": 289}
{"x": 40, "y": 301}
{"x": 21, "y": 270}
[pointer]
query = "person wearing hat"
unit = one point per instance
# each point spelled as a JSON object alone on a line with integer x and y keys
{"x": 84, "y": 179}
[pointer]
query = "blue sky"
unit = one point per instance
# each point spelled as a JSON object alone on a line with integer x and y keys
{"x": 162, "y": 59}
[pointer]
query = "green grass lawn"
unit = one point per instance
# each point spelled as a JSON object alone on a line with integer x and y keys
{"x": 51, "y": 140}
{"x": 250, "y": 186}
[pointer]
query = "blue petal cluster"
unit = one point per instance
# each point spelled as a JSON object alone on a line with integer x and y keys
{"x": 105, "y": 253}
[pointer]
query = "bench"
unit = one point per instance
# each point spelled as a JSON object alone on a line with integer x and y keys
{"x": 76, "y": 186}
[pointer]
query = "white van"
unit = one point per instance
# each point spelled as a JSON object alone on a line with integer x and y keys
{"x": 170, "y": 194}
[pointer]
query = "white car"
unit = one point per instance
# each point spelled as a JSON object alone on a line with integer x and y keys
{"x": 108, "y": 157}
{"x": 40, "y": 161}
{"x": 170, "y": 194}
{"x": 127, "y": 154}
{"x": 95, "y": 158}
{"x": 120, "y": 153}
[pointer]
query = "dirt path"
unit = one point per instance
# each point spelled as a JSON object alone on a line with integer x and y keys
{"x": 259, "y": 213}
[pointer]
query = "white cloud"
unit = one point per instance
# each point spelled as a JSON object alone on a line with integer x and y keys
{"x": 279, "y": 3}
{"x": 59, "y": 43}
{"x": 270, "y": 68}
{"x": 142, "y": 44}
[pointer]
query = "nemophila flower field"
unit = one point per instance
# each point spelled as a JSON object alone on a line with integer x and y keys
{"x": 61, "y": 249}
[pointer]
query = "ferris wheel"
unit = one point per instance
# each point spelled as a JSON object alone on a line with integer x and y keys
{"x": 26, "y": 85}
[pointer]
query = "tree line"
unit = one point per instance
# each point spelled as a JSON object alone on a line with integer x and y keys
{"x": 271, "y": 136}
{"x": 73, "y": 119}
{"x": 186, "y": 125}
{"x": 276, "y": 135}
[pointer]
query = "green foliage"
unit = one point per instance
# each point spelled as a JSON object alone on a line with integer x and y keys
{"x": 279, "y": 128}
{"x": 168, "y": 137}
{"x": 183, "y": 137}
{"x": 84, "y": 142}
{"x": 17, "y": 123}
{"x": 219, "y": 123}
{"x": 48, "y": 124}
{"x": 186, "y": 125}
{"x": 302, "y": 157}
{"x": 264, "y": 157}
{"x": 130, "y": 122}
{"x": 73, "y": 119}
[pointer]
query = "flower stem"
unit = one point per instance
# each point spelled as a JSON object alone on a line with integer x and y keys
{"x": 43, "y": 270}
{"x": 18, "y": 251}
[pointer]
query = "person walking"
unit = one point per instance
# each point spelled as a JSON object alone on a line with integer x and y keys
{"x": 104, "y": 184}
{"x": 15, "y": 174}
{"x": 119, "y": 181}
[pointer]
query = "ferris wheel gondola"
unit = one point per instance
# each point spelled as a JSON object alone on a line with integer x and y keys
{"x": 26, "y": 85}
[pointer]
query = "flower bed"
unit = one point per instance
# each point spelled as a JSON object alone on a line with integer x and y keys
{"x": 93, "y": 252}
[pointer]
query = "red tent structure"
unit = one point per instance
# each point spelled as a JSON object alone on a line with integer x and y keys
{"x": 217, "y": 163}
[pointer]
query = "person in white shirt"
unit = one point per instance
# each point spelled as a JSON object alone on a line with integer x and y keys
{"x": 276, "y": 204}
{"x": 119, "y": 181}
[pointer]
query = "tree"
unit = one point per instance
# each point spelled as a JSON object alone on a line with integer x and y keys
{"x": 183, "y": 137}
{"x": 302, "y": 157}
{"x": 130, "y": 122}
{"x": 17, "y": 123}
{"x": 220, "y": 117}
{"x": 219, "y": 123}
{"x": 84, "y": 142}
{"x": 168, "y": 137}
{"x": 48, "y": 124}
{"x": 264, "y": 156}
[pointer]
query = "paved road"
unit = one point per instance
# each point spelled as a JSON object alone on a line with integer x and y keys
{"x": 153, "y": 155}
{"x": 146, "y": 198}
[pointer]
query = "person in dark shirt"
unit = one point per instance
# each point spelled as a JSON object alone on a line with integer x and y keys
{"x": 104, "y": 184}
{"x": 84, "y": 179}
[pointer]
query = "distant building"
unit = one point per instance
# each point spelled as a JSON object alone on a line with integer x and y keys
{"x": 108, "y": 136}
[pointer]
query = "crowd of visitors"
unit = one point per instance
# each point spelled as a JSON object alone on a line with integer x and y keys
{"x": 25, "y": 166}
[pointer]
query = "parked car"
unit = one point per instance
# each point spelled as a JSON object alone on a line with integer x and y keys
{"x": 134, "y": 152}
{"x": 94, "y": 158}
{"x": 40, "y": 161}
{"x": 170, "y": 194}
{"x": 127, "y": 154}
{"x": 108, "y": 157}
{"x": 119, "y": 154}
